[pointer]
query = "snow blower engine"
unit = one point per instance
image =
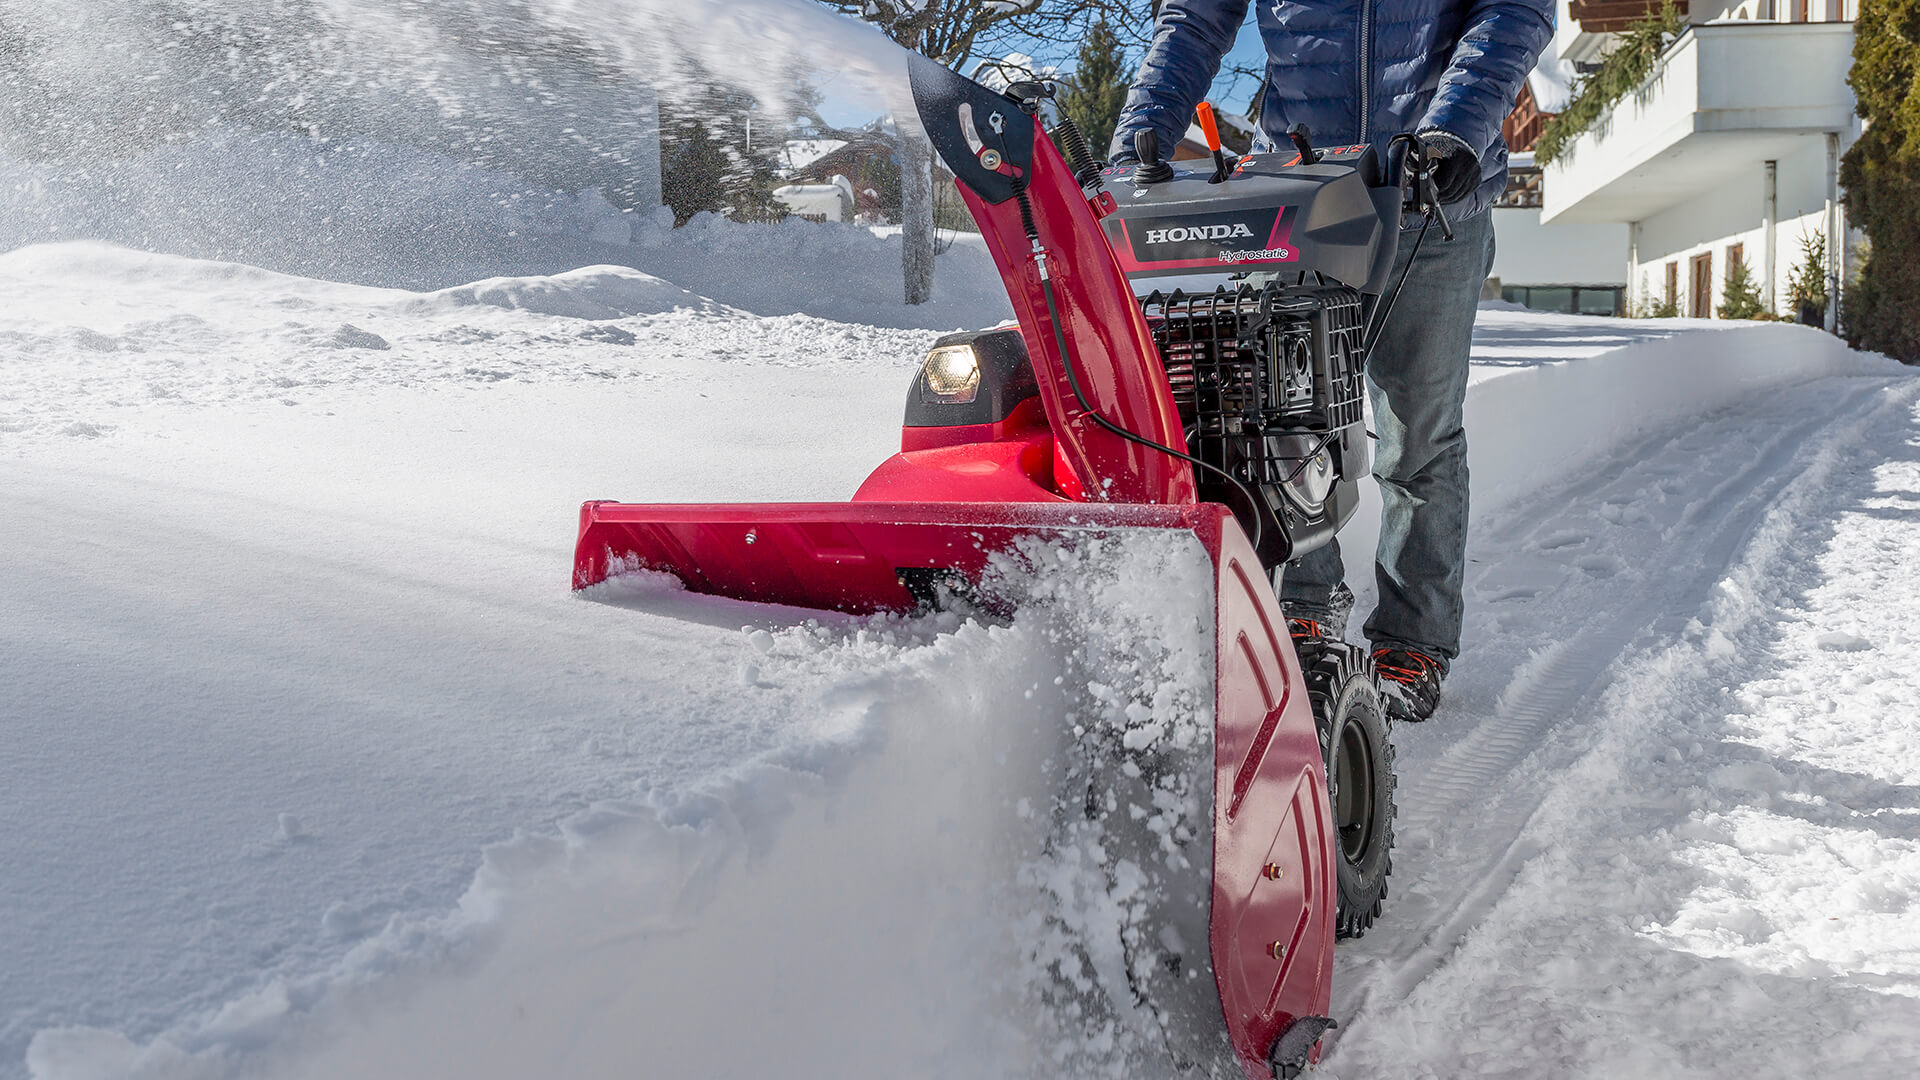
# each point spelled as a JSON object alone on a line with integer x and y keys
{"x": 1231, "y": 412}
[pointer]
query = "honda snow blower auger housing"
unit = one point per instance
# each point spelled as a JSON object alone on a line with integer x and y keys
{"x": 1232, "y": 412}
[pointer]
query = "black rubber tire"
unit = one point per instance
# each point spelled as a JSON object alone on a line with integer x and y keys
{"x": 1354, "y": 746}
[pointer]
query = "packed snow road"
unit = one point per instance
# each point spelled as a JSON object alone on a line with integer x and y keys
{"x": 285, "y": 644}
{"x": 1607, "y": 861}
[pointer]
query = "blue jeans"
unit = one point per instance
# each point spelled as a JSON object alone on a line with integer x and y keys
{"x": 1417, "y": 377}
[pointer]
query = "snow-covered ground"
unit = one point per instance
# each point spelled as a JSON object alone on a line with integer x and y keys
{"x": 313, "y": 766}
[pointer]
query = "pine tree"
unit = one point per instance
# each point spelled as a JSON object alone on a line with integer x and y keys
{"x": 1881, "y": 173}
{"x": 1740, "y": 297}
{"x": 693, "y": 169}
{"x": 881, "y": 175}
{"x": 1807, "y": 282}
{"x": 1098, "y": 87}
{"x": 1648, "y": 308}
{"x": 707, "y": 164}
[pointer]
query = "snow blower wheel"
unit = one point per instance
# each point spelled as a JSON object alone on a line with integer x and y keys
{"x": 1352, "y": 727}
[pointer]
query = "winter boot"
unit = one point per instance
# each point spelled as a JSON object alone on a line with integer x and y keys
{"x": 1313, "y": 622}
{"x": 1409, "y": 681}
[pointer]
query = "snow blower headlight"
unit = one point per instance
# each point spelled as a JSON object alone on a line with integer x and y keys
{"x": 952, "y": 375}
{"x": 1310, "y": 468}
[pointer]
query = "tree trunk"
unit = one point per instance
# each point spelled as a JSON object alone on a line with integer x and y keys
{"x": 916, "y": 217}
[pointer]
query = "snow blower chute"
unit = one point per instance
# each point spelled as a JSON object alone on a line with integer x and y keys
{"x": 1234, "y": 413}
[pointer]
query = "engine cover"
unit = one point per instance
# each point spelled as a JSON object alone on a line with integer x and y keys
{"x": 1273, "y": 213}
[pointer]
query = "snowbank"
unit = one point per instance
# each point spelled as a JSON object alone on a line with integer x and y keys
{"x": 592, "y": 292}
{"x": 344, "y": 660}
{"x": 900, "y": 859}
{"x": 1532, "y": 426}
{"x": 1550, "y": 394}
{"x": 99, "y": 334}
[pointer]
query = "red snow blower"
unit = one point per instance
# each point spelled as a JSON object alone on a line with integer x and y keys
{"x": 1233, "y": 413}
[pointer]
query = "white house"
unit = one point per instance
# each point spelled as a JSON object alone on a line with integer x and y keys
{"x": 1572, "y": 268}
{"x": 832, "y": 201}
{"x": 1729, "y": 152}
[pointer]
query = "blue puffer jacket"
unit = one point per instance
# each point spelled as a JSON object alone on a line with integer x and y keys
{"x": 1352, "y": 71}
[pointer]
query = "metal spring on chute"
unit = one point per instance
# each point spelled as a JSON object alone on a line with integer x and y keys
{"x": 1073, "y": 145}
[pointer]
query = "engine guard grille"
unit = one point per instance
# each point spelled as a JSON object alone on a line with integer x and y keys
{"x": 1249, "y": 361}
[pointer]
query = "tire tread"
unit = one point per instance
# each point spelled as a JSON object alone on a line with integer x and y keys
{"x": 1329, "y": 667}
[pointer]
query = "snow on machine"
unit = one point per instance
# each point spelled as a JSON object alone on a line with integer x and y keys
{"x": 1234, "y": 413}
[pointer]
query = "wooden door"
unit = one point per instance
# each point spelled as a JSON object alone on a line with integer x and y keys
{"x": 1700, "y": 298}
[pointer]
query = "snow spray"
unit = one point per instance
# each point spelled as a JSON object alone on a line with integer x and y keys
{"x": 950, "y": 873}
{"x": 417, "y": 144}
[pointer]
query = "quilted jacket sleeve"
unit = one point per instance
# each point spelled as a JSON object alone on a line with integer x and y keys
{"x": 1188, "y": 41}
{"x": 1499, "y": 46}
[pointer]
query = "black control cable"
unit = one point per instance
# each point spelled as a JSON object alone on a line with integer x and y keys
{"x": 1386, "y": 310}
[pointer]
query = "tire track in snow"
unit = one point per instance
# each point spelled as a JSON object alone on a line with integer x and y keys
{"x": 1553, "y": 680}
{"x": 1677, "y": 508}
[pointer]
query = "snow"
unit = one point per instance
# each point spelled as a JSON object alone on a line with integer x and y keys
{"x": 1700, "y": 859}
{"x": 314, "y": 767}
{"x": 1552, "y": 80}
{"x": 322, "y": 772}
{"x": 375, "y": 214}
{"x": 801, "y": 153}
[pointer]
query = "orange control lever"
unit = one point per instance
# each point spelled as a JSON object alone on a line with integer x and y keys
{"x": 1210, "y": 127}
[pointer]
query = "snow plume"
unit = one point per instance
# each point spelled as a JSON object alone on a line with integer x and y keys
{"x": 388, "y": 142}
{"x": 95, "y": 78}
{"x": 1118, "y": 971}
{"x": 956, "y": 868}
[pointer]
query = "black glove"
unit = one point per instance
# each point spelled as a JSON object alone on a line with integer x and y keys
{"x": 1456, "y": 168}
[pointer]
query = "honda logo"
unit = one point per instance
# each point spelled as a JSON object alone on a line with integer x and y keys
{"x": 1182, "y": 234}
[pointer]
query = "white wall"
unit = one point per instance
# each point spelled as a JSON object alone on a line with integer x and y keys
{"x": 1526, "y": 252}
{"x": 1714, "y": 11}
{"x": 1734, "y": 213}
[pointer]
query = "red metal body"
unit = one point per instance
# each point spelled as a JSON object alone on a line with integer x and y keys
{"x": 1113, "y": 350}
{"x": 954, "y": 496}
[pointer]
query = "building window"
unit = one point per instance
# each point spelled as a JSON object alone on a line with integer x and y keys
{"x": 1567, "y": 299}
{"x": 1700, "y": 297}
{"x": 1673, "y": 285}
{"x": 1597, "y": 301}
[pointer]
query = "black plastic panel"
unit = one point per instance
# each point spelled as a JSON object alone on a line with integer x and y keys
{"x": 983, "y": 137}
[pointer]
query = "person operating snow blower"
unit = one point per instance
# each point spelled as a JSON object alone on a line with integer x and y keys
{"x": 1362, "y": 71}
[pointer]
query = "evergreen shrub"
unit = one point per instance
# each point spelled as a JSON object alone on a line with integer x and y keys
{"x": 1881, "y": 173}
